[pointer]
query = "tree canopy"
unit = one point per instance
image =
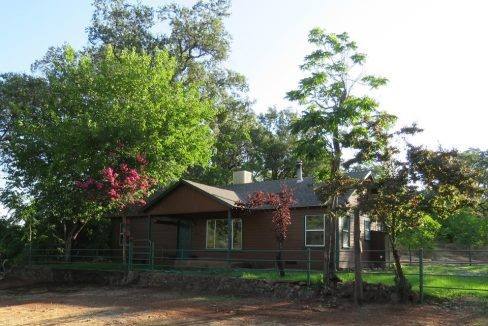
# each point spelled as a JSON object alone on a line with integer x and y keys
{"x": 196, "y": 37}
{"x": 338, "y": 117}
{"x": 92, "y": 114}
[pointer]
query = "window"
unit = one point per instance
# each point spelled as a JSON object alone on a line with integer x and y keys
{"x": 346, "y": 234}
{"x": 217, "y": 234}
{"x": 121, "y": 234}
{"x": 367, "y": 229}
{"x": 314, "y": 230}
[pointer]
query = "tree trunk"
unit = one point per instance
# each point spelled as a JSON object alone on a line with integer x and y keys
{"x": 327, "y": 253}
{"x": 330, "y": 270}
{"x": 358, "y": 280}
{"x": 67, "y": 248}
{"x": 332, "y": 276}
{"x": 333, "y": 251}
{"x": 68, "y": 241}
{"x": 124, "y": 240}
{"x": 279, "y": 259}
{"x": 400, "y": 280}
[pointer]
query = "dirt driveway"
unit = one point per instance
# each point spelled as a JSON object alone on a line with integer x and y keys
{"x": 47, "y": 305}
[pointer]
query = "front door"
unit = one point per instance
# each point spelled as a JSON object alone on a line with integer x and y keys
{"x": 184, "y": 239}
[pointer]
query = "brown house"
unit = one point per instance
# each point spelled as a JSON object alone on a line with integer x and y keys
{"x": 195, "y": 224}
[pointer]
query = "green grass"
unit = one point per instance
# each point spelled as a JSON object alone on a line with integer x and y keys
{"x": 441, "y": 281}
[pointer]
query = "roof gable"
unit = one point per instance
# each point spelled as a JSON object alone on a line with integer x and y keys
{"x": 186, "y": 198}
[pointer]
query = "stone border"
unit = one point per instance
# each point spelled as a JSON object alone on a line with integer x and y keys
{"x": 206, "y": 284}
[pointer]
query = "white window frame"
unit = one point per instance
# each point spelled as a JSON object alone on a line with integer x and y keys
{"x": 367, "y": 232}
{"x": 316, "y": 230}
{"x": 215, "y": 230}
{"x": 348, "y": 246}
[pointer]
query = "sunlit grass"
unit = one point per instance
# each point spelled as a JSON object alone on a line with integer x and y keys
{"x": 442, "y": 281}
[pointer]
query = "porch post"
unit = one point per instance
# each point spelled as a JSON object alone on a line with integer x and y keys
{"x": 229, "y": 234}
{"x": 149, "y": 227}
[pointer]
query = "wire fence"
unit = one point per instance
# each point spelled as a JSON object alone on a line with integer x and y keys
{"x": 440, "y": 272}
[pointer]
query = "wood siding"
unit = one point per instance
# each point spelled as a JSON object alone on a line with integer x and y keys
{"x": 257, "y": 234}
{"x": 186, "y": 200}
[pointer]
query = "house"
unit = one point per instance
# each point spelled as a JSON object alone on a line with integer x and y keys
{"x": 195, "y": 224}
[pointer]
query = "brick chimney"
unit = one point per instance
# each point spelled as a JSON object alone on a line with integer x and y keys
{"x": 299, "y": 171}
{"x": 240, "y": 177}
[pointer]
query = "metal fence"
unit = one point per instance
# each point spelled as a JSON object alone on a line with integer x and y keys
{"x": 440, "y": 272}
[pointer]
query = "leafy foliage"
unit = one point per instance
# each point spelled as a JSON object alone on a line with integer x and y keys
{"x": 121, "y": 186}
{"x": 90, "y": 108}
{"x": 422, "y": 236}
{"x": 273, "y": 150}
{"x": 281, "y": 218}
{"x": 11, "y": 240}
{"x": 466, "y": 228}
{"x": 280, "y": 202}
{"x": 196, "y": 37}
{"x": 426, "y": 183}
{"x": 339, "y": 116}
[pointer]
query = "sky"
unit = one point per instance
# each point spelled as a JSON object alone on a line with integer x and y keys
{"x": 433, "y": 52}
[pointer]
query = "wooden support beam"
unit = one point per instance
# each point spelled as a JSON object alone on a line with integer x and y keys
{"x": 149, "y": 227}
{"x": 229, "y": 234}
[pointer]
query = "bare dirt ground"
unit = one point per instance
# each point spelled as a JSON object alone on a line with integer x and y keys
{"x": 63, "y": 305}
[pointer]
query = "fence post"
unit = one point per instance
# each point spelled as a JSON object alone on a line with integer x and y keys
{"x": 421, "y": 274}
{"x": 469, "y": 255}
{"x": 308, "y": 266}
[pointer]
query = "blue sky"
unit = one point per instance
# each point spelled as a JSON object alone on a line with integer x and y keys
{"x": 434, "y": 52}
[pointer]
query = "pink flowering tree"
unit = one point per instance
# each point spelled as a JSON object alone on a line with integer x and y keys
{"x": 281, "y": 204}
{"x": 120, "y": 187}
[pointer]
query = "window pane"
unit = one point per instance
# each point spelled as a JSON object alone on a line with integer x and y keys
{"x": 210, "y": 233}
{"x": 345, "y": 223}
{"x": 314, "y": 238}
{"x": 315, "y": 222}
{"x": 220, "y": 234}
{"x": 237, "y": 235}
{"x": 345, "y": 239}
{"x": 367, "y": 230}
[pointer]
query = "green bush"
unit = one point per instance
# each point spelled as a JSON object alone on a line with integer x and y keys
{"x": 11, "y": 240}
{"x": 466, "y": 228}
{"x": 421, "y": 236}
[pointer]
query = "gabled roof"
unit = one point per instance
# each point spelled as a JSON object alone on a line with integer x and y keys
{"x": 227, "y": 196}
{"x": 303, "y": 192}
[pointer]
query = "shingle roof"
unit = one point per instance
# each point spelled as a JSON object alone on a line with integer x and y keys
{"x": 228, "y": 196}
{"x": 303, "y": 192}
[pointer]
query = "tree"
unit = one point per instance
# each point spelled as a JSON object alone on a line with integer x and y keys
{"x": 422, "y": 236}
{"x": 425, "y": 183}
{"x": 467, "y": 228}
{"x": 281, "y": 203}
{"x": 478, "y": 160}
{"x": 273, "y": 155}
{"x": 125, "y": 103}
{"x": 121, "y": 187}
{"x": 196, "y": 37}
{"x": 338, "y": 118}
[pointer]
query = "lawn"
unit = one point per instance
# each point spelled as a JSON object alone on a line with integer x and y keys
{"x": 442, "y": 281}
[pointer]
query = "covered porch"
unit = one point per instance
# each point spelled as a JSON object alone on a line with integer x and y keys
{"x": 187, "y": 225}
